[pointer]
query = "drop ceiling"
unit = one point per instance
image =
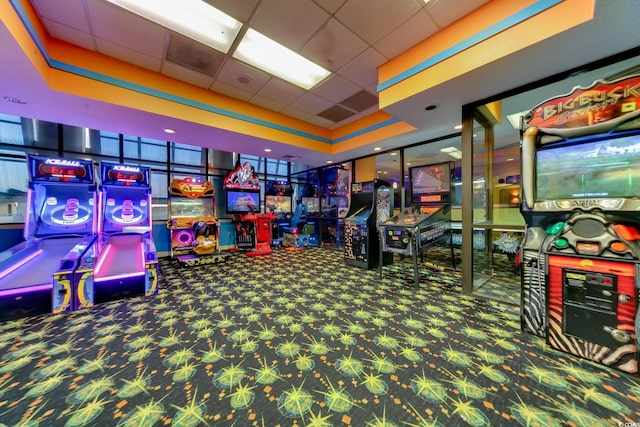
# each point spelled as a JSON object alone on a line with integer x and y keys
{"x": 351, "y": 38}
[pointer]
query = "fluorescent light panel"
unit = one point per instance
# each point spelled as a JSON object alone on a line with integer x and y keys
{"x": 192, "y": 18}
{"x": 270, "y": 56}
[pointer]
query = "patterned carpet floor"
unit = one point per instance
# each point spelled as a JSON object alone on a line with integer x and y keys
{"x": 299, "y": 339}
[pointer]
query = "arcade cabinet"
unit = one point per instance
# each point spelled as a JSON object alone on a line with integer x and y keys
{"x": 371, "y": 204}
{"x": 253, "y": 229}
{"x": 427, "y": 222}
{"x": 581, "y": 254}
{"x": 192, "y": 222}
{"x": 122, "y": 263}
{"x": 60, "y": 226}
{"x": 278, "y": 200}
{"x": 295, "y": 236}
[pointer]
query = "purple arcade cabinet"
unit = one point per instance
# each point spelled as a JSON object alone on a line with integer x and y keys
{"x": 61, "y": 224}
{"x": 122, "y": 263}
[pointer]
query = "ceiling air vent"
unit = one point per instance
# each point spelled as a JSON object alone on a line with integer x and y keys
{"x": 360, "y": 101}
{"x": 195, "y": 56}
{"x": 336, "y": 113}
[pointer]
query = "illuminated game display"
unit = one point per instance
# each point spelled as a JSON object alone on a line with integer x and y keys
{"x": 122, "y": 262}
{"x": 36, "y": 275}
{"x": 431, "y": 183}
{"x": 192, "y": 221}
{"x": 580, "y": 200}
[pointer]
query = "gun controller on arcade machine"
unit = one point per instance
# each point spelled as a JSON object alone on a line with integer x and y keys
{"x": 36, "y": 275}
{"x": 253, "y": 229}
{"x": 122, "y": 263}
{"x": 194, "y": 228}
{"x": 581, "y": 253}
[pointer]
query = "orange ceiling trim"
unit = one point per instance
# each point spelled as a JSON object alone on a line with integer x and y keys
{"x": 541, "y": 26}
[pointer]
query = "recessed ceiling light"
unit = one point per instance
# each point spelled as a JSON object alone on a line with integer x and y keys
{"x": 408, "y": 163}
{"x": 262, "y": 52}
{"x": 169, "y": 130}
{"x": 267, "y": 150}
{"x": 193, "y": 18}
{"x": 377, "y": 149}
{"x": 393, "y": 153}
{"x": 329, "y": 161}
{"x": 457, "y": 127}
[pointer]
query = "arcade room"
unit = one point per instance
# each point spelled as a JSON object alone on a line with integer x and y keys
{"x": 365, "y": 213}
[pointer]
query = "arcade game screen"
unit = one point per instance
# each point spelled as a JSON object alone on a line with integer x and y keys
{"x": 277, "y": 204}
{"x": 431, "y": 179}
{"x": 603, "y": 168}
{"x": 242, "y": 201}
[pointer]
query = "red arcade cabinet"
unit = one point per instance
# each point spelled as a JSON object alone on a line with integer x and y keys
{"x": 580, "y": 199}
{"x": 253, "y": 229}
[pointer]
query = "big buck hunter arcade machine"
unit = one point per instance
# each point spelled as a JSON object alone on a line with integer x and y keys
{"x": 581, "y": 203}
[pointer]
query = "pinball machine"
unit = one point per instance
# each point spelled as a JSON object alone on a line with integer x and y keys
{"x": 427, "y": 222}
{"x": 580, "y": 199}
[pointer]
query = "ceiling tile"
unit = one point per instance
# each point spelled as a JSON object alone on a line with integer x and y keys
{"x": 418, "y": 28}
{"x": 311, "y": 104}
{"x": 127, "y": 55}
{"x": 363, "y": 70}
{"x": 231, "y": 91}
{"x": 296, "y": 21}
{"x": 267, "y": 103}
{"x": 335, "y": 88}
{"x": 190, "y": 54}
{"x": 186, "y": 75}
{"x": 333, "y": 46}
{"x": 295, "y": 113}
{"x": 67, "y": 12}
{"x": 373, "y": 19}
{"x": 243, "y": 76}
{"x": 330, "y": 6}
{"x": 70, "y": 35}
{"x": 320, "y": 121}
{"x": 126, "y": 29}
{"x": 446, "y": 12}
{"x": 281, "y": 91}
{"x": 241, "y": 10}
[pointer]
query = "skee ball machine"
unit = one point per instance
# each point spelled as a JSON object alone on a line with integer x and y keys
{"x": 123, "y": 262}
{"x": 427, "y": 222}
{"x": 371, "y": 204}
{"x": 580, "y": 200}
{"x": 194, "y": 228}
{"x": 60, "y": 226}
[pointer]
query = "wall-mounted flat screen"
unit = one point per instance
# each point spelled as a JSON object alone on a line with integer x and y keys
{"x": 596, "y": 169}
{"x": 239, "y": 202}
{"x": 277, "y": 204}
{"x": 430, "y": 183}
